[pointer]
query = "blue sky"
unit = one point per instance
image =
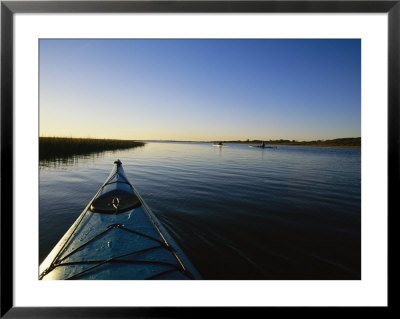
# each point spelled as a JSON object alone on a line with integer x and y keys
{"x": 201, "y": 89}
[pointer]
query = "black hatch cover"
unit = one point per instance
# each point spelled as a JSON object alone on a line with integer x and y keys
{"x": 114, "y": 202}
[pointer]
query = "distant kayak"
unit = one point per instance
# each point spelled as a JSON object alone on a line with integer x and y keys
{"x": 220, "y": 145}
{"x": 117, "y": 237}
{"x": 259, "y": 146}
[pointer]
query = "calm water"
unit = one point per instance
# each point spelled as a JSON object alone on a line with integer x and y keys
{"x": 237, "y": 212}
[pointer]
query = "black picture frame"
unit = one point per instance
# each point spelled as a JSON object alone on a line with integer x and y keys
{"x": 9, "y": 8}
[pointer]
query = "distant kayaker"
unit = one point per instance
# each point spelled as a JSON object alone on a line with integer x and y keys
{"x": 220, "y": 143}
{"x": 262, "y": 144}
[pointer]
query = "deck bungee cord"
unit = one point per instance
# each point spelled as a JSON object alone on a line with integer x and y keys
{"x": 162, "y": 245}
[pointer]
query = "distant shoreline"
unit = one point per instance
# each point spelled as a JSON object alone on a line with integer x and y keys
{"x": 63, "y": 147}
{"x": 340, "y": 142}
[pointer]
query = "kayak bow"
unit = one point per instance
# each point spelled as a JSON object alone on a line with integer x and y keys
{"x": 117, "y": 237}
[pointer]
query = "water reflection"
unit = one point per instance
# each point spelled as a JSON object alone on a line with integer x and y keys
{"x": 74, "y": 160}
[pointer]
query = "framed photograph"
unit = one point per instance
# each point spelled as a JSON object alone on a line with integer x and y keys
{"x": 250, "y": 148}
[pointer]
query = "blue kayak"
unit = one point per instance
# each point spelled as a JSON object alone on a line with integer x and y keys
{"x": 117, "y": 237}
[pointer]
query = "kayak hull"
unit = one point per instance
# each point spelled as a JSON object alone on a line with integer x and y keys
{"x": 117, "y": 244}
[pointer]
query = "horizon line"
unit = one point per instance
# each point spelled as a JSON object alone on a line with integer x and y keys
{"x": 203, "y": 141}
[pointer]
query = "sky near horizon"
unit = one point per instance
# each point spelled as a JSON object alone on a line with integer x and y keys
{"x": 200, "y": 90}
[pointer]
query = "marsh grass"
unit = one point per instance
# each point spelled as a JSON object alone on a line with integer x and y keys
{"x": 65, "y": 147}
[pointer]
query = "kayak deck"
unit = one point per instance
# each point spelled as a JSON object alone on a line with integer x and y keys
{"x": 117, "y": 237}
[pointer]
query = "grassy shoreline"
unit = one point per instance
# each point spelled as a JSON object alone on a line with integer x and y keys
{"x": 63, "y": 147}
